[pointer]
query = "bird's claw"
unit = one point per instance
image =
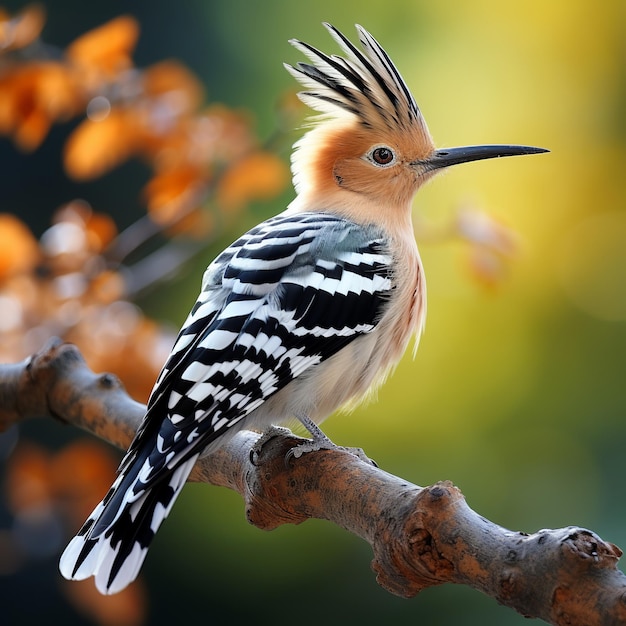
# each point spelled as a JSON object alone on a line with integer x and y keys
{"x": 319, "y": 442}
{"x": 270, "y": 433}
{"x": 313, "y": 445}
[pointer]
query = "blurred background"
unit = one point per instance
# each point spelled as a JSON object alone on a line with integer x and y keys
{"x": 517, "y": 392}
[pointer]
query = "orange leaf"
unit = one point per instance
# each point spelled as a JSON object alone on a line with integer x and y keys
{"x": 23, "y": 29}
{"x": 118, "y": 339}
{"x": 173, "y": 192}
{"x": 126, "y": 608}
{"x": 34, "y": 96}
{"x": 108, "y": 48}
{"x": 32, "y": 130}
{"x": 225, "y": 132}
{"x": 80, "y": 475}
{"x": 19, "y": 251}
{"x": 485, "y": 230}
{"x": 28, "y": 478}
{"x": 95, "y": 147}
{"x": 261, "y": 175}
{"x": 57, "y": 91}
{"x": 485, "y": 267}
{"x": 101, "y": 230}
{"x": 107, "y": 287}
{"x": 217, "y": 135}
{"x": 83, "y": 469}
{"x": 175, "y": 82}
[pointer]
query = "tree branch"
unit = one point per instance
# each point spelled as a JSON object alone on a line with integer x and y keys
{"x": 420, "y": 536}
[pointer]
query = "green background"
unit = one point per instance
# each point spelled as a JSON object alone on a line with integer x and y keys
{"x": 517, "y": 395}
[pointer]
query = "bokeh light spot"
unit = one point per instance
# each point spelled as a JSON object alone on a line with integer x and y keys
{"x": 98, "y": 108}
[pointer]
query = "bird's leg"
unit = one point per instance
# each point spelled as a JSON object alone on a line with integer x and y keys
{"x": 320, "y": 442}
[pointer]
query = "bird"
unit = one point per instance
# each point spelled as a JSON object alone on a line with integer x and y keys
{"x": 305, "y": 313}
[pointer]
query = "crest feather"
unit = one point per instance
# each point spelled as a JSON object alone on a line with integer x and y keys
{"x": 364, "y": 83}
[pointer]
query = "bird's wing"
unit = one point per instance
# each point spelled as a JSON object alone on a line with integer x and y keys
{"x": 286, "y": 296}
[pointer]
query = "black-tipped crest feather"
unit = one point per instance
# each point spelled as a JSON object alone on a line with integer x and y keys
{"x": 365, "y": 82}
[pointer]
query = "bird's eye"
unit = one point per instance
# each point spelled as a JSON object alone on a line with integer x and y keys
{"x": 383, "y": 156}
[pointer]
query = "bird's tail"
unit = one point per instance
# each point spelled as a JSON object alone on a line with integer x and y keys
{"x": 114, "y": 541}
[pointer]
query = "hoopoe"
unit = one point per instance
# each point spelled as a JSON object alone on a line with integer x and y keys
{"x": 304, "y": 313}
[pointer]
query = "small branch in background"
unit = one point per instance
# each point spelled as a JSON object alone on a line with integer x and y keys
{"x": 163, "y": 264}
{"x": 131, "y": 239}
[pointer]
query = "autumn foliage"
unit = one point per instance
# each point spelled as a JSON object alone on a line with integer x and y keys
{"x": 70, "y": 283}
{"x": 74, "y": 281}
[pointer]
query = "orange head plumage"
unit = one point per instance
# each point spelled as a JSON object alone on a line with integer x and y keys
{"x": 370, "y": 148}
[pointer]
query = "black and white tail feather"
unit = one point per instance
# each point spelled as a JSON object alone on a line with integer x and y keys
{"x": 282, "y": 299}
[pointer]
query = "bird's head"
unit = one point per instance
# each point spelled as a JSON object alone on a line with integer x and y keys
{"x": 371, "y": 145}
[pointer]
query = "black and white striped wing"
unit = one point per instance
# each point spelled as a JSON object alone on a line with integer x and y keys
{"x": 283, "y": 298}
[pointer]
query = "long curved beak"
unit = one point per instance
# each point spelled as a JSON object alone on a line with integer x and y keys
{"x": 446, "y": 157}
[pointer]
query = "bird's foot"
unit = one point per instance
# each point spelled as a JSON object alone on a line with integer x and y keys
{"x": 270, "y": 433}
{"x": 320, "y": 441}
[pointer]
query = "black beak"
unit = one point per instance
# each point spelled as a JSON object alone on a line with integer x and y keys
{"x": 453, "y": 156}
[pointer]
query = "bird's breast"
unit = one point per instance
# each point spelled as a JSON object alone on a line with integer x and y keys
{"x": 354, "y": 373}
{"x": 405, "y": 313}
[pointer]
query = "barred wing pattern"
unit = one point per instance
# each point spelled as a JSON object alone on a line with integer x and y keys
{"x": 283, "y": 298}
